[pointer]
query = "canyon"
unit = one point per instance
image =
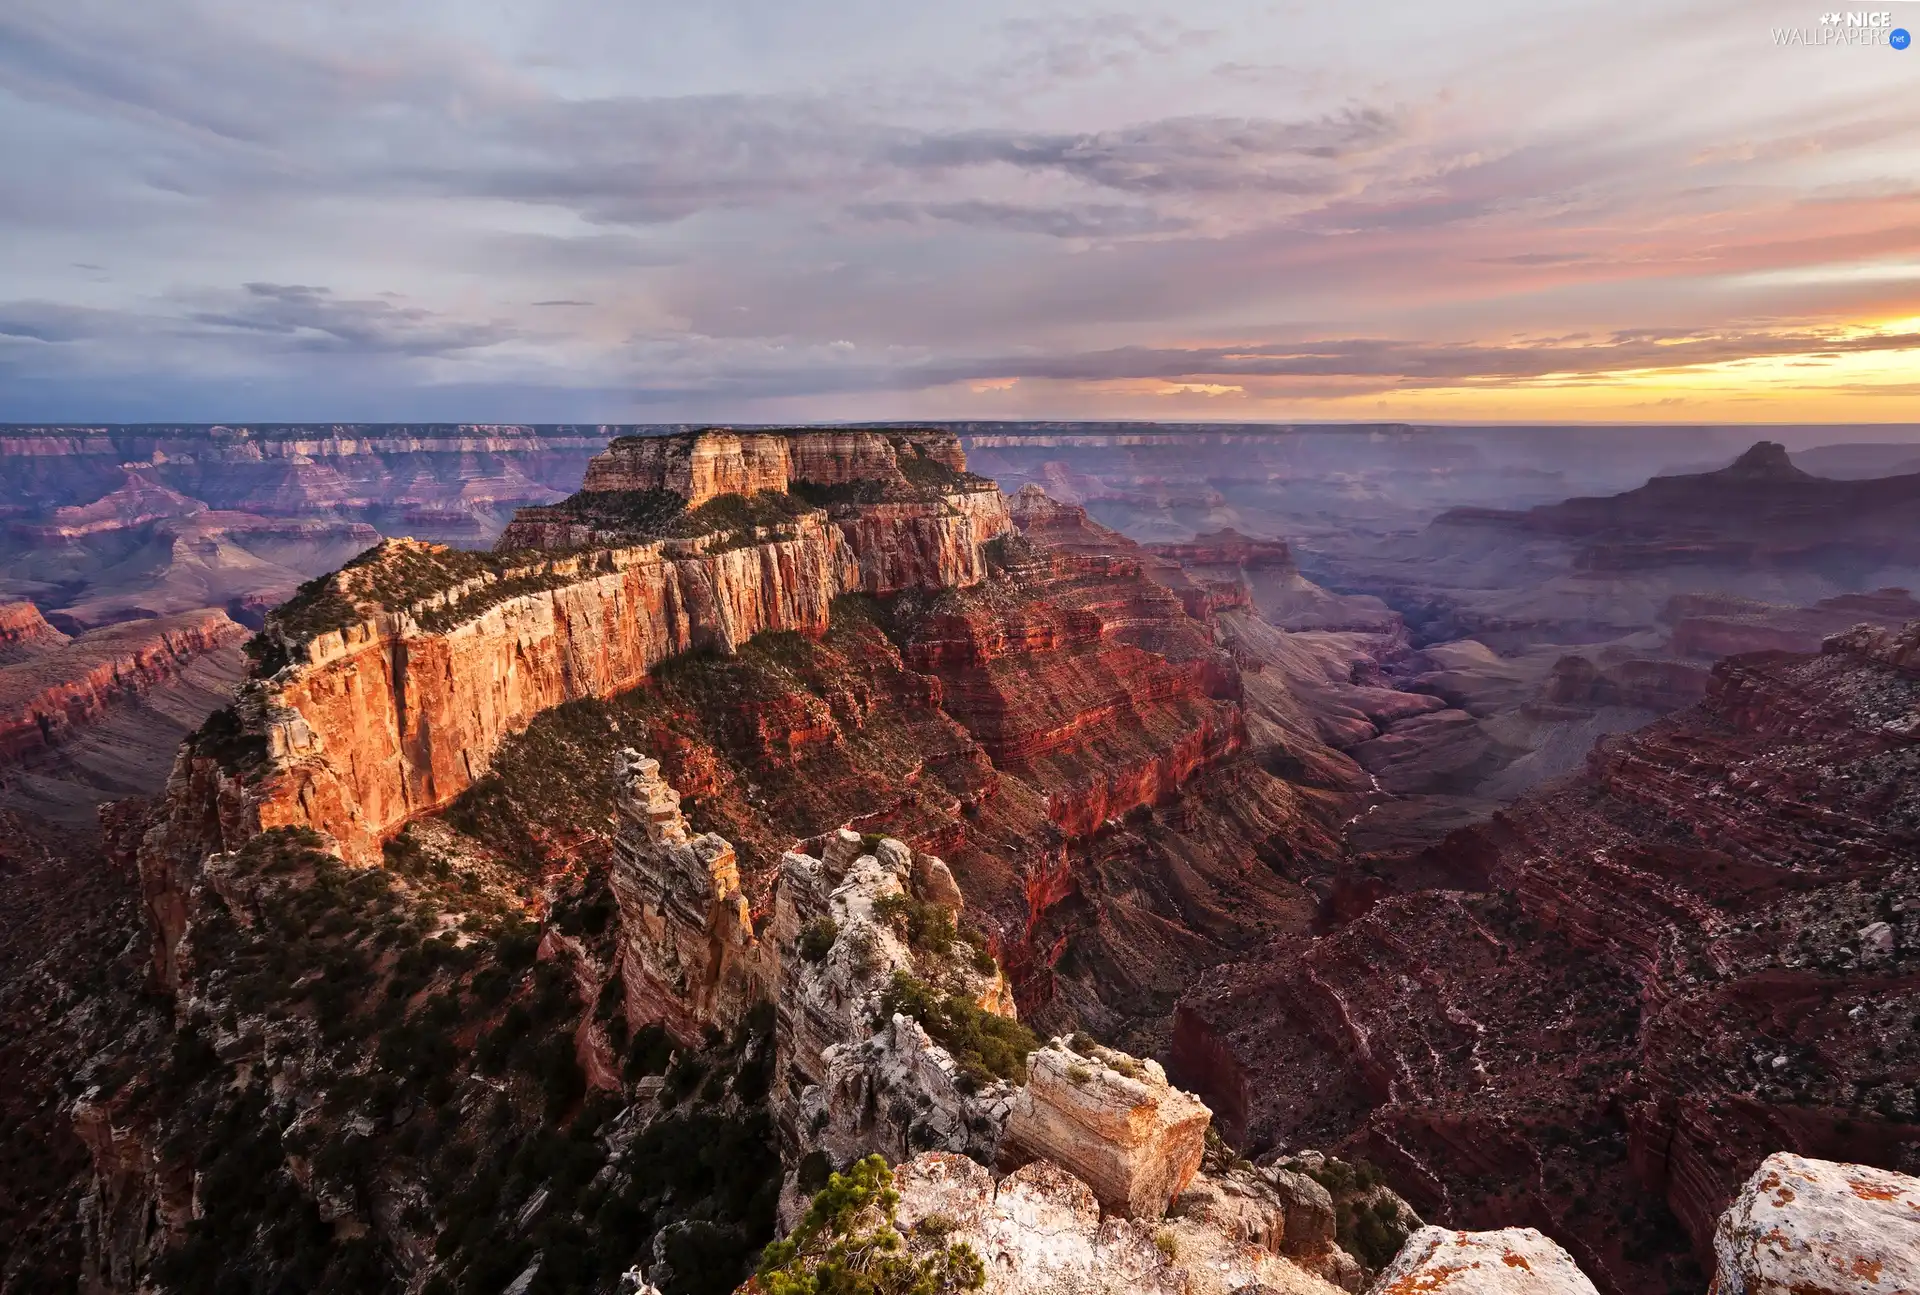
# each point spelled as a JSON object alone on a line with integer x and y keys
{"x": 559, "y": 917}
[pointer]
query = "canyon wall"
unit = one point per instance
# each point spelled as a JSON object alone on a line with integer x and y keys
{"x": 69, "y": 684}
{"x": 1698, "y": 952}
{"x": 722, "y": 462}
{"x": 395, "y": 680}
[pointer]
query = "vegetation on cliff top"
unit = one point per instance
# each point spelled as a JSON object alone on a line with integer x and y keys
{"x": 849, "y": 1244}
{"x": 987, "y": 1047}
{"x": 378, "y": 1068}
{"x": 662, "y": 514}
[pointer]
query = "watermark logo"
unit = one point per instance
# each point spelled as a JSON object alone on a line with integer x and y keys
{"x": 1840, "y": 29}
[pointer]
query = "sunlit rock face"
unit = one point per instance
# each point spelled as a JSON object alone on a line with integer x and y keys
{"x": 689, "y": 959}
{"x": 398, "y": 703}
{"x": 1814, "y": 1227}
{"x": 1042, "y": 1229}
{"x": 852, "y": 1078}
{"x": 699, "y": 466}
{"x": 1114, "y": 1122}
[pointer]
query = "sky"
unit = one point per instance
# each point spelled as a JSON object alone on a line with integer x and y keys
{"x": 740, "y": 210}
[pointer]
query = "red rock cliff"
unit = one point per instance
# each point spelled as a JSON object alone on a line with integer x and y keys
{"x": 72, "y": 683}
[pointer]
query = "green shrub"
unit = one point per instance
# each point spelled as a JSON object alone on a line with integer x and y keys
{"x": 848, "y": 1244}
{"x": 817, "y": 937}
{"x": 986, "y": 1046}
{"x": 927, "y": 927}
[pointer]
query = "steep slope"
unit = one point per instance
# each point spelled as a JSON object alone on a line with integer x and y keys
{"x": 86, "y": 719}
{"x": 1695, "y": 954}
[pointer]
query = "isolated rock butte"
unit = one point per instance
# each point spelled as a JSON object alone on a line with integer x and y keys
{"x": 1112, "y": 1121}
{"x": 1813, "y": 1227}
{"x": 1511, "y": 1261}
{"x": 703, "y": 465}
{"x": 1760, "y": 511}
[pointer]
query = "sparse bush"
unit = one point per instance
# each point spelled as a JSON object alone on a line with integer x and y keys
{"x": 817, "y": 937}
{"x": 926, "y": 927}
{"x": 848, "y": 1245}
{"x": 987, "y": 1047}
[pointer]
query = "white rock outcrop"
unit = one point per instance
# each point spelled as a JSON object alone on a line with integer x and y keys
{"x": 850, "y": 1079}
{"x": 1510, "y": 1261}
{"x": 1112, "y": 1121}
{"x": 1040, "y": 1229}
{"x": 1816, "y": 1227}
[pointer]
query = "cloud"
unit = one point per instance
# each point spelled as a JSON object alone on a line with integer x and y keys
{"x": 1183, "y": 155}
{"x": 1070, "y": 220}
{"x": 313, "y": 319}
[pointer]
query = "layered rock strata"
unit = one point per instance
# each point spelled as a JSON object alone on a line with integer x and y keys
{"x": 66, "y": 685}
{"x": 718, "y": 461}
{"x": 1112, "y": 1121}
{"x": 1695, "y": 954}
{"x": 689, "y": 958}
{"x": 394, "y": 700}
{"x": 24, "y": 632}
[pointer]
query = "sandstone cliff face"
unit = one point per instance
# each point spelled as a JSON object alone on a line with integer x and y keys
{"x": 1095, "y": 682}
{"x": 24, "y": 632}
{"x": 393, "y": 716}
{"x": 700, "y": 466}
{"x": 689, "y": 959}
{"x": 73, "y": 683}
{"x": 1812, "y": 1227}
{"x": 1113, "y": 1122}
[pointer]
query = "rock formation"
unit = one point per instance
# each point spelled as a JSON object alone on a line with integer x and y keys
{"x": 406, "y": 670}
{"x": 1111, "y": 1121}
{"x": 1812, "y": 1227}
{"x": 689, "y": 959}
{"x": 717, "y": 462}
{"x": 1683, "y": 961}
{"x": 24, "y": 632}
{"x": 1040, "y": 1229}
{"x": 69, "y": 684}
{"x": 1511, "y": 1261}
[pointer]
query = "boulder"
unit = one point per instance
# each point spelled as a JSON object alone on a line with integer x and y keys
{"x": 1111, "y": 1120}
{"x": 933, "y": 882}
{"x": 1511, "y": 1261}
{"x": 1815, "y": 1227}
{"x": 1041, "y": 1230}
